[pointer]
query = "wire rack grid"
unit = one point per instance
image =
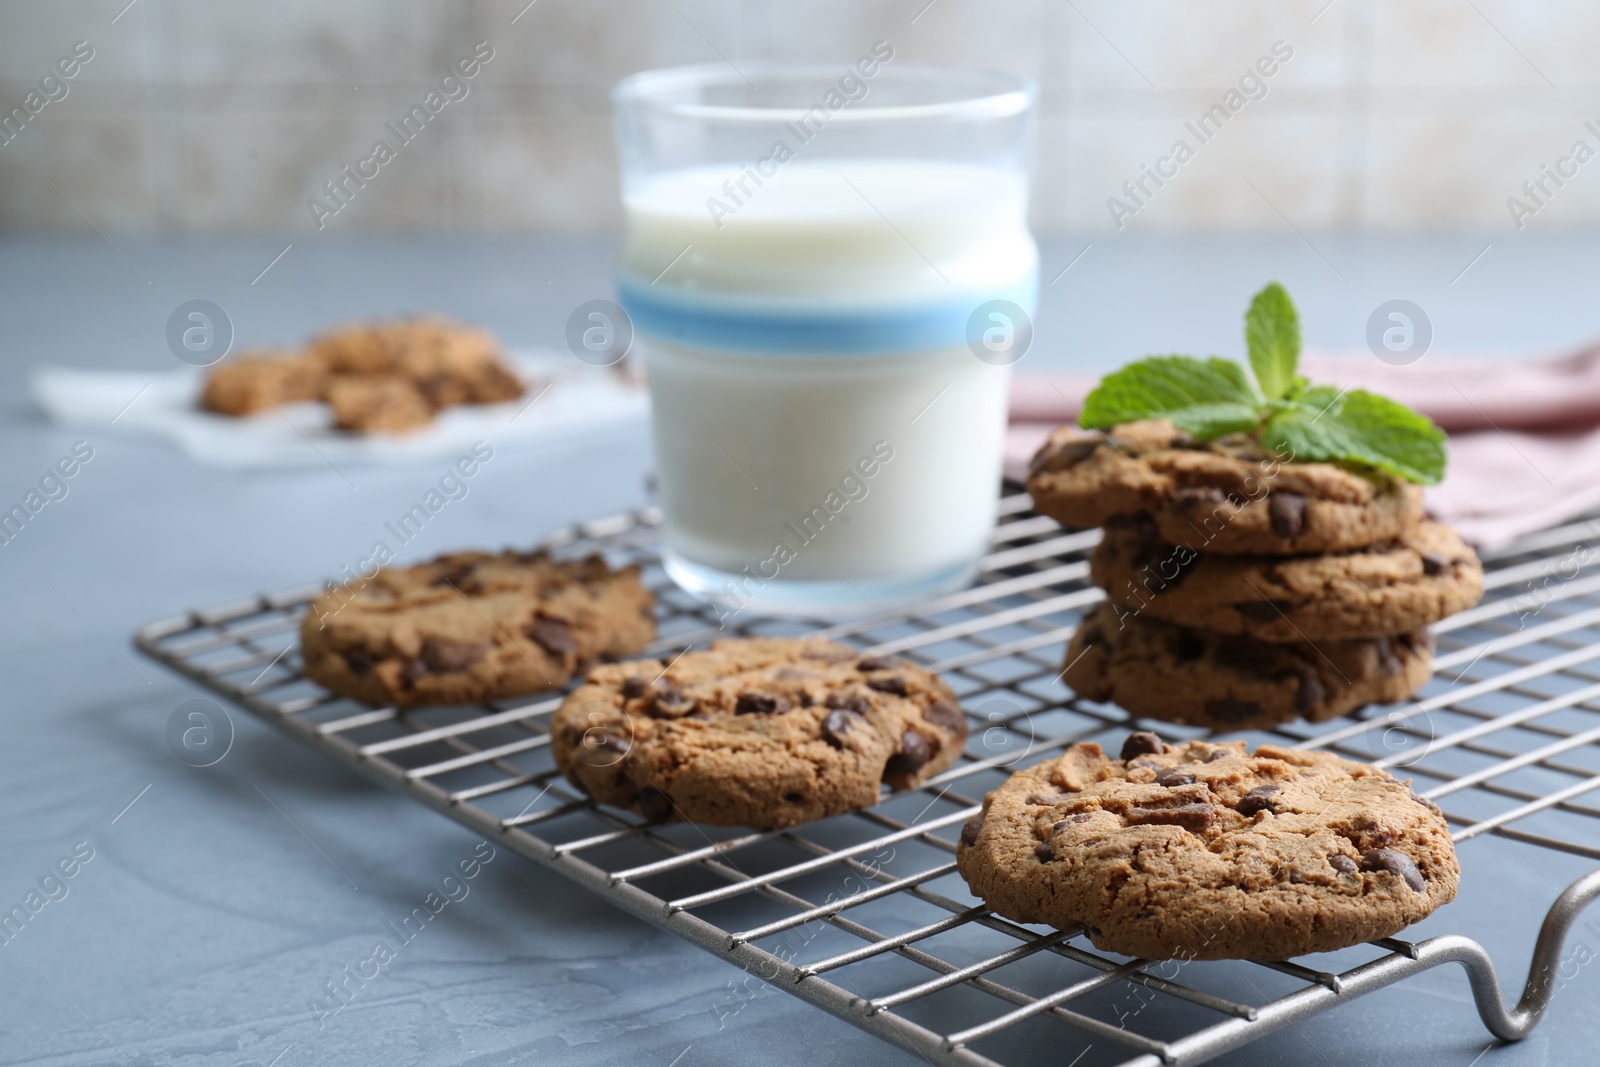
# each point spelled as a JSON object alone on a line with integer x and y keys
{"x": 864, "y": 915}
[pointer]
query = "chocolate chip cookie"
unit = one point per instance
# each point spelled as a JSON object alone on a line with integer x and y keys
{"x": 1162, "y": 671}
{"x": 1226, "y": 496}
{"x": 471, "y": 626}
{"x": 447, "y": 362}
{"x": 258, "y": 381}
{"x": 1202, "y": 851}
{"x": 763, "y": 732}
{"x": 377, "y": 405}
{"x": 1391, "y": 588}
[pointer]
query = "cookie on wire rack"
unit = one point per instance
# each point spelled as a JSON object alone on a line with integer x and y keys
{"x": 473, "y": 626}
{"x": 762, "y": 732}
{"x": 1160, "y": 670}
{"x": 1208, "y": 851}
{"x": 1387, "y": 588}
{"x": 1225, "y": 496}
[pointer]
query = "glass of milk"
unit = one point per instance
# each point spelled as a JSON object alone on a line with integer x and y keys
{"x": 829, "y": 273}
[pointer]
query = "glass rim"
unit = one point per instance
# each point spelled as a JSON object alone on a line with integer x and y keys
{"x": 997, "y": 93}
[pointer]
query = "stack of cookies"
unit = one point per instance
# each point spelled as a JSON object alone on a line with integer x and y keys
{"x": 1244, "y": 590}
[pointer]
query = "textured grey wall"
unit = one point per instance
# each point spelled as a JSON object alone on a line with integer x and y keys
{"x": 227, "y": 115}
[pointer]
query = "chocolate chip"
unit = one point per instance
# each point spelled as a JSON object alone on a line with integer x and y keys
{"x": 838, "y": 724}
{"x": 1062, "y": 455}
{"x": 876, "y": 663}
{"x": 1142, "y": 743}
{"x": 1043, "y": 852}
{"x": 608, "y": 740}
{"x": 1434, "y": 564}
{"x": 1197, "y": 496}
{"x": 552, "y": 635}
{"x": 653, "y": 804}
{"x": 669, "y": 702}
{"x": 1140, "y": 524}
{"x": 413, "y": 670}
{"x": 893, "y": 684}
{"x": 946, "y": 716}
{"x": 1233, "y": 710}
{"x": 442, "y": 654}
{"x": 971, "y": 829}
{"x": 1260, "y": 610}
{"x": 1218, "y": 753}
{"x": 635, "y": 686}
{"x": 857, "y": 704}
{"x": 1171, "y": 777}
{"x": 1340, "y": 862}
{"x": 1241, "y": 654}
{"x": 455, "y": 575}
{"x": 914, "y": 754}
{"x": 1287, "y": 511}
{"x": 793, "y": 798}
{"x": 1396, "y": 863}
{"x": 1388, "y": 661}
{"x": 1311, "y": 694}
{"x": 359, "y": 660}
{"x": 436, "y": 388}
{"x": 1185, "y": 646}
{"x": 760, "y": 704}
{"x": 1167, "y": 564}
{"x": 1424, "y": 801}
{"x": 1192, "y": 817}
{"x": 1258, "y": 799}
{"x": 1127, "y": 448}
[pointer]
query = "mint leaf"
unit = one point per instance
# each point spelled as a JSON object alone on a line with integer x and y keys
{"x": 1356, "y": 426}
{"x": 1206, "y": 397}
{"x": 1272, "y": 333}
{"x": 1207, "y": 422}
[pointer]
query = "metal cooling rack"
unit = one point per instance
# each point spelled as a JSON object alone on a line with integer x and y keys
{"x": 864, "y": 916}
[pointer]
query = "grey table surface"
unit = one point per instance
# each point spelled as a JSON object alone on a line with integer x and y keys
{"x": 219, "y": 902}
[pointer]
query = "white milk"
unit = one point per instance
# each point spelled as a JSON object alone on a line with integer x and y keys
{"x": 826, "y": 233}
{"x": 819, "y": 416}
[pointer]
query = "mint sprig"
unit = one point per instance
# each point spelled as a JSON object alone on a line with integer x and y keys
{"x": 1213, "y": 397}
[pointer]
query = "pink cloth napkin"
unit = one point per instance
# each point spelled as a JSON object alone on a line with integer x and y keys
{"x": 1524, "y": 433}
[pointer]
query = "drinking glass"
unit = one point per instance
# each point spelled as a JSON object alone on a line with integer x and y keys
{"x": 829, "y": 273}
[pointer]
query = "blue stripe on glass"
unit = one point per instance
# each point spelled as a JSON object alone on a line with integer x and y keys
{"x": 711, "y": 323}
